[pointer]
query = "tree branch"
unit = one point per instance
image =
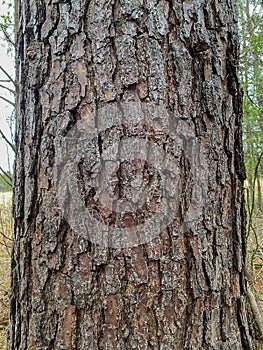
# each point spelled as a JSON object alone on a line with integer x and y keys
{"x": 7, "y": 36}
{"x": 8, "y": 177}
{"x": 5, "y": 236}
{"x": 7, "y": 141}
{"x": 7, "y": 88}
{"x": 251, "y": 101}
{"x": 6, "y": 246}
{"x": 8, "y": 101}
{"x": 8, "y": 75}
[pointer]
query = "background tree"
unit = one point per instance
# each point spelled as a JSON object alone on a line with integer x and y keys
{"x": 252, "y": 82}
{"x": 80, "y": 64}
{"x": 251, "y": 79}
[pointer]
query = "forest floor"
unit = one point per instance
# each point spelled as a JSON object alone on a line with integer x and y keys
{"x": 255, "y": 253}
{"x": 255, "y": 257}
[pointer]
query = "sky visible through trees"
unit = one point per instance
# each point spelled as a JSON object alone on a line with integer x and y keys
{"x": 6, "y": 109}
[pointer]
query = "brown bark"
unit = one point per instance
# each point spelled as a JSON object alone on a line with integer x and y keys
{"x": 185, "y": 288}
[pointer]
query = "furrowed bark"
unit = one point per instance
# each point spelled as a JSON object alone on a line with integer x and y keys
{"x": 185, "y": 289}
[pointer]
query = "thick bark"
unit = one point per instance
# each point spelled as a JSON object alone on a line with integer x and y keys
{"x": 185, "y": 288}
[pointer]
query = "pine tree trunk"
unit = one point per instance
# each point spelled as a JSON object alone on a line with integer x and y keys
{"x": 153, "y": 80}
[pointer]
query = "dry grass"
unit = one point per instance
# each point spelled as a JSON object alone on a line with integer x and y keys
{"x": 6, "y": 232}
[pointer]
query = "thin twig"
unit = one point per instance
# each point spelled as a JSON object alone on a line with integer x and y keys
{"x": 8, "y": 101}
{"x": 5, "y": 245}
{"x": 7, "y": 36}
{"x": 8, "y": 177}
{"x": 8, "y": 75}
{"x": 7, "y": 141}
{"x": 252, "y": 102}
{"x": 7, "y": 88}
{"x": 8, "y": 238}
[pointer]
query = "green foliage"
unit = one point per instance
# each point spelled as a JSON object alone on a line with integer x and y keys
{"x": 7, "y": 19}
{"x": 7, "y": 23}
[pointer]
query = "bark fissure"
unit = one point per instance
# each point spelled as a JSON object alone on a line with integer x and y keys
{"x": 152, "y": 67}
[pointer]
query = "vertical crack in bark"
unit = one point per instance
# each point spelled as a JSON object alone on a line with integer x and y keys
{"x": 184, "y": 289}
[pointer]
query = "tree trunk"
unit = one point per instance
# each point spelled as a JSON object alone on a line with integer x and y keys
{"x": 259, "y": 199}
{"x": 129, "y": 213}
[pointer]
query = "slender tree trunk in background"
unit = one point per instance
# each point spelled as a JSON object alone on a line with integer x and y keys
{"x": 185, "y": 288}
{"x": 259, "y": 190}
